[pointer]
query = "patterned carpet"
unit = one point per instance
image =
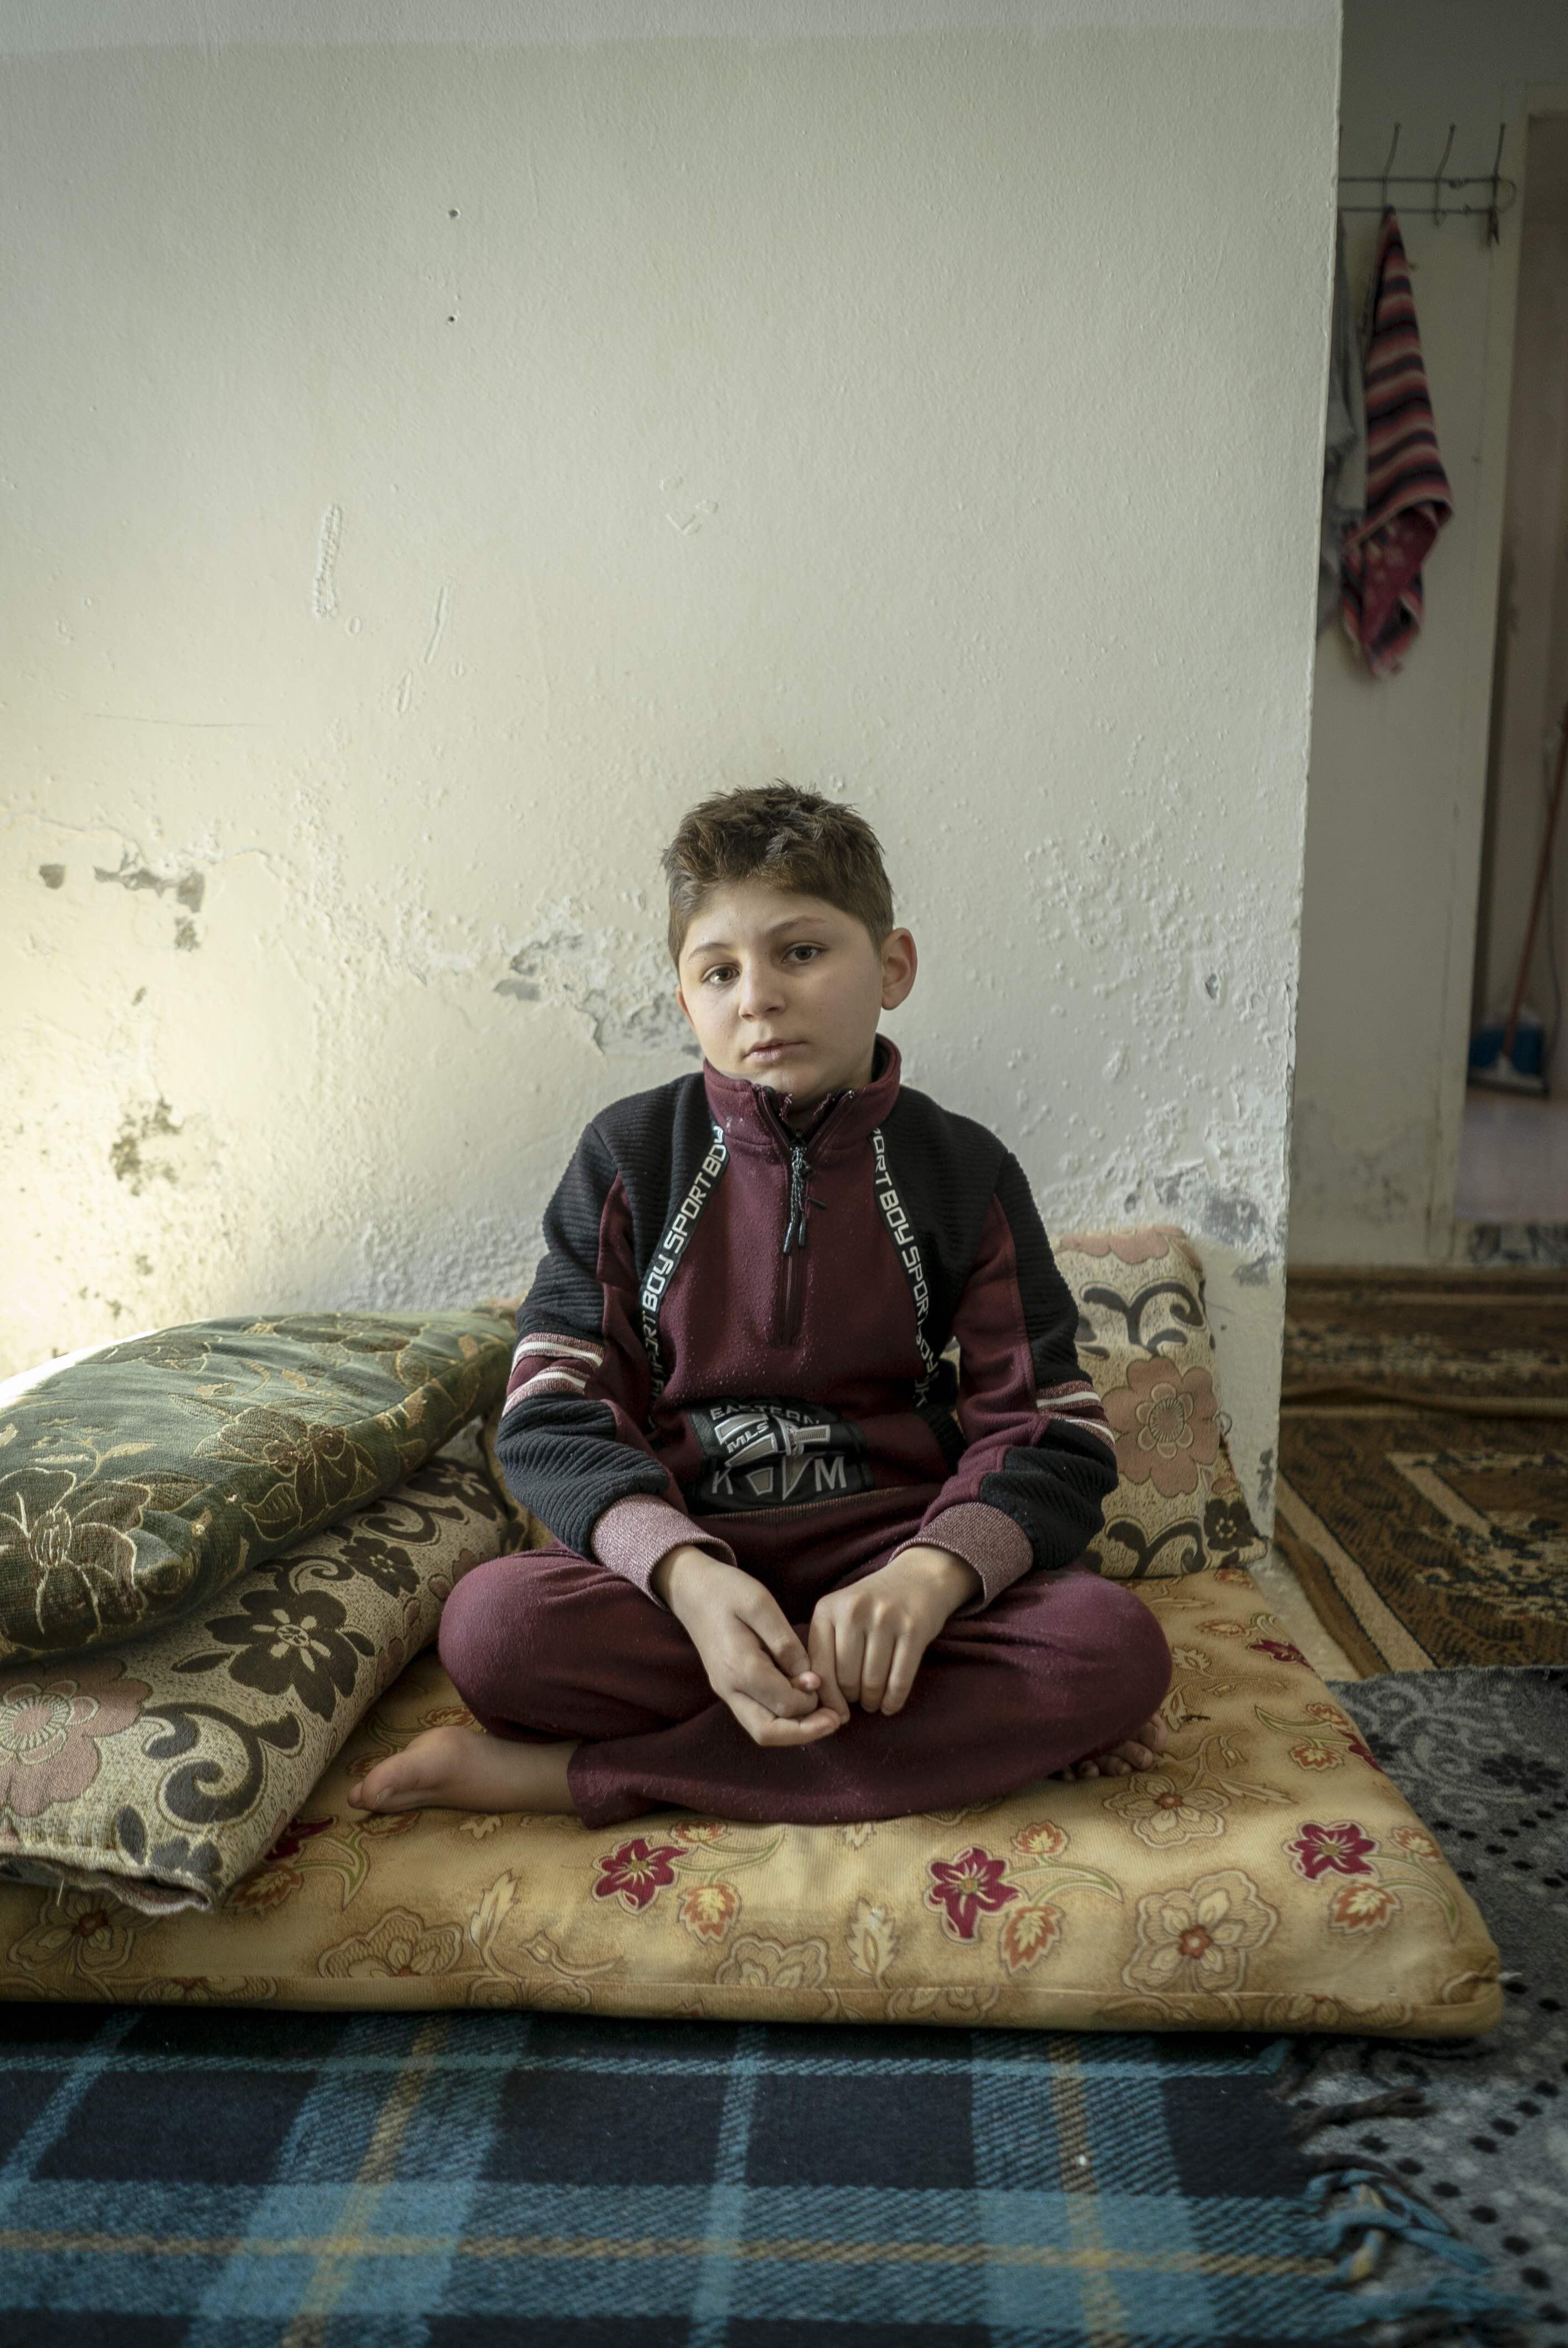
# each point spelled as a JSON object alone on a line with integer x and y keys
{"x": 1423, "y": 1491}
{"x": 1485, "y": 1756}
{"x": 465, "y": 2180}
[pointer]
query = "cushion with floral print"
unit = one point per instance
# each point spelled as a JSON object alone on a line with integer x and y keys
{"x": 1143, "y": 1339}
{"x": 1266, "y": 1875}
{"x": 162, "y": 1770}
{"x": 139, "y": 1480}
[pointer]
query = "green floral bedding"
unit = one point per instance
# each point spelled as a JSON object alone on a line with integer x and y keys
{"x": 163, "y": 1771}
{"x": 136, "y": 1483}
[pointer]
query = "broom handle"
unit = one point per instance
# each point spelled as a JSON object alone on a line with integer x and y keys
{"x": 1543, "y": 873}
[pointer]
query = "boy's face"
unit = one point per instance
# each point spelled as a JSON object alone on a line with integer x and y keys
{"x": 786, "y": 990}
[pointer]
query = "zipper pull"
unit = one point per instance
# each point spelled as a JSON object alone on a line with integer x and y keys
{"x": 794, "y": 1229}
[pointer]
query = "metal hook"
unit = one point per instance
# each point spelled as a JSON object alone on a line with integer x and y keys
{"x": 1438, "y": 214}
{"x": 1388, "y": 163}
{"x": 1494, "y": 232}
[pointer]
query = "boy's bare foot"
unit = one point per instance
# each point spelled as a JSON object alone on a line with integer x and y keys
{"x": 454, "y": 1770}
{"x": 1139, "y": 1752}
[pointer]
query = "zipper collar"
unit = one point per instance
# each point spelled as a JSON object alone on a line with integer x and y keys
{"x": 750, "y": 1114}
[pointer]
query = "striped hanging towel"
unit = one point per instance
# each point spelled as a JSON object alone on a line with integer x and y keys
{"x": 1408, "y": 495}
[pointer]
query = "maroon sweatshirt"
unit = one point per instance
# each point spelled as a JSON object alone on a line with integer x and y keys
{"x": 858, "y": 1322}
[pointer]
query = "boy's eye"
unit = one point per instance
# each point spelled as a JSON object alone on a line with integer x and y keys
{"x": 723, "y": 971}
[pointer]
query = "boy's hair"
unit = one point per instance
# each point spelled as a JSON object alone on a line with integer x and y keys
{"x": 789, "y": 838}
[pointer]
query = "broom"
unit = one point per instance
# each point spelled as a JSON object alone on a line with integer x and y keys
{"x": 1491, "y": 1057}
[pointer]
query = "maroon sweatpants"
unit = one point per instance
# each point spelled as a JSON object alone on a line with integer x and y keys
{"x": 548, "y": 1643}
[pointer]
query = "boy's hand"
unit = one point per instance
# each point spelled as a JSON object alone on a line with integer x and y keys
{"x": 753, "y": 1660}
{"x": 867, "y": 1641}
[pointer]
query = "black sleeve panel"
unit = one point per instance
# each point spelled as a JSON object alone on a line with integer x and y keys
{"x": 572, "y": 1436}
{"x": 1056, "y": 1487}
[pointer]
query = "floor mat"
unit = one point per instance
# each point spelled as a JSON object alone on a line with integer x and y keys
{"x": 1458, "y": 1336}
{"x": 1423, "y": 1486}
{"x": 462, "y": 2181}
{"x": 1485, "y": 1754}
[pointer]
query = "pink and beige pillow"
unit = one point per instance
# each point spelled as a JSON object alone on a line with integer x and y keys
{"x": 1143, "y": 1338}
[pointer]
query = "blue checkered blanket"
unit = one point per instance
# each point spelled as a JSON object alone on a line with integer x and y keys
{"x": 458, "y": 2179}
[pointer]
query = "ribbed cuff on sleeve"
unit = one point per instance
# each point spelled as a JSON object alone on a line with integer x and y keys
{"x": 986, "y": 1539}
{"x": 633, "y": 1534}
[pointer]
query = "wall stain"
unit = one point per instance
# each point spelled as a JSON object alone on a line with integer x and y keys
{"x": 622, "y": 985}
{"x": 53, "y": 876}
{"x": 1204, "y": 1207}
{"x": 125, "y": 1154}
{"x": 1266, "y": 1473}
{"x": 1389, "y": 1184}
{"x": 186, "y": 939}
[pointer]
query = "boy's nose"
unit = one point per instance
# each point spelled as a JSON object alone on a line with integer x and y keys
{"x": 759, "y": 994}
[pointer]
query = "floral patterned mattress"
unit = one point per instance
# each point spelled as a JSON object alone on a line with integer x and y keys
{"x": 1267, "y": 1875}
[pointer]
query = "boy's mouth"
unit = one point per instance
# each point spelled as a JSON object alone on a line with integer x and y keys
{"x": 771, "y": 1051}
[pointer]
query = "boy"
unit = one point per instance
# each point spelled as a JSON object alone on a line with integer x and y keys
{"x": 802, "y": 1571}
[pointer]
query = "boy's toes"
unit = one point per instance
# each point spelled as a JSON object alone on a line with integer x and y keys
{"x": 404, "y": 1781}
{"x": 376, "y": 1790}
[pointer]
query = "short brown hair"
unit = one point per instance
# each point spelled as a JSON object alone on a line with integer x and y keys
{"x": 787, "y": 837}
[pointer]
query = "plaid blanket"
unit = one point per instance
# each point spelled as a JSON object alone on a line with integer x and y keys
{"x": 450, "y": 2180}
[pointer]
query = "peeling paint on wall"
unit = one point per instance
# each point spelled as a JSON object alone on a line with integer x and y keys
{"x": 53, "y": 876}
{"x": 619, "y": 982}
{"x": 188, "y": 887}
{"x": 438, "y": 622}
{"x": 324, "y": 585}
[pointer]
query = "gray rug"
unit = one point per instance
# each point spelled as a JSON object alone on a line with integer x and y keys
{"x": 1484, "y": 1757}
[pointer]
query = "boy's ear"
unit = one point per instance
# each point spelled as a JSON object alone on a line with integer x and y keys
{"x": 681, "y": 999}
{"x": 899, "y": 964}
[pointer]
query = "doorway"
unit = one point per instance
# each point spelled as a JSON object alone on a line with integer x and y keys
{"x": 1513, "y": 1176}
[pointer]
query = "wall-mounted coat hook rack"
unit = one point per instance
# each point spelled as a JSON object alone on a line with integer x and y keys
{"x": 1502, "y": 194}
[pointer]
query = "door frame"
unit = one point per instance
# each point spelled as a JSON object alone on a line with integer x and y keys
{"x": 1444, "y": 1231}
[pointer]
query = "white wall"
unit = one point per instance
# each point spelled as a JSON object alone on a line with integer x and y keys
{"x": 1399, "y": 764}
{"x": 428, "y": 468}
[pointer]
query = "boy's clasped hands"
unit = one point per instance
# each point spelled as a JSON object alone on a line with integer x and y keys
{"x": 863, "y": 1645}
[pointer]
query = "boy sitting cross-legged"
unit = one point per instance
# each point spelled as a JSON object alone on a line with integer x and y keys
{"x": 802, "y": 1570}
